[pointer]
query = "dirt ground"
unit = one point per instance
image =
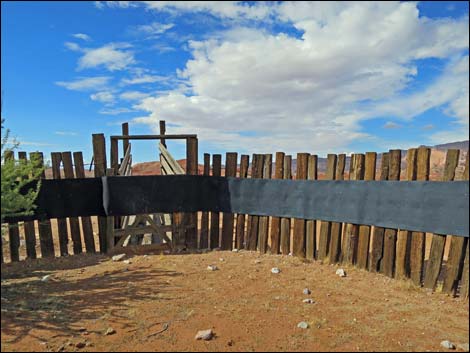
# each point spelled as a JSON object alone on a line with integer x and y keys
{"x": 159, "y": 302}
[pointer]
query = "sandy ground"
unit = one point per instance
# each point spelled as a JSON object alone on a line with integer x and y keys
{"x": 159, "y": 302}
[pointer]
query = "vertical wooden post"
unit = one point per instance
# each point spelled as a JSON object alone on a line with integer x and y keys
{"x": 99, "y": 155}
{"x": 402, "y": 263}
{"x": 228, "y": 218}
{"x": 215, "y": 216}
{"x": 352, "y": 230}
{"x": 300, "y": 224}
{"x": 87, "y": 227}
{"x": 456, "y": 258}
{"x": 376, "y": 253}
{"x": 418, "y": 239}
{"x": 13, "y": 228}
{"x": 325, "y": 227}
{"x": 56, "y": 159}
{"x": 125, "y": 143}
{"x": 465, "y": 275}
{"x": 240, "y": 234}
{"x": 253, "y": 221}
{"x": 29, "y": 231}
{"x": 45, "y": 230}
{"x": 73, "y": 221}
{"x": 275, "y": 234}
{"x": 285, "y": 222}
{"x": 311, "y": 227}
{"x": 192, "y": 169}
{"x": 110, "y": 241}
{"x": 163, "y": 131}
{"x": 364, "y": 230}
{"x": 114, "y": 154}
{"x": 264, "y": 220}
{"x": 334, "y": 248}
{"x": 204, "y": 235}
{"x": 390, "y": 235}
{"x": 438, "y": 241}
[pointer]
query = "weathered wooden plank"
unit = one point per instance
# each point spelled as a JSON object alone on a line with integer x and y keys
{"x": 162, "y": 131}
{"x": 438, "y": 241}
{"x": 62, "y": 230}
{"x": 390, "y": 236}
{"x": 228, "y": 218}
{"x": 110, "y": 240}
{"x": 204, "y": 235}
{"x": 325, "y": 227}
{"x": 402, "y": 262}
{"x": 29, "y": 231}
{"x": 114, "y": 154}
{"x": 263, "y": 227}
{"x": 174, "y": 166}
{"x": 298, "y": 248}
{"x": 351, "y": 234}
{"x": 46, "y": 241}
{"x": 215, "y": 221}
{"x": 74, "y": 223}
{"x": 376, "y": 254}
{"x": 334, "y": 248}
{"x": 240, "y": 226}
{"x": 87, "y": 227}
{"x": 465, "y": 276}
{"x": 192, "y": 169}
{"x": 456, "y": 256}
{"x": 125, "y": 132}
{"x": 418, "y": 239}
{"x": 275, "y": 234}
{"x": 99, "y": 155}
{"x": 253, "y": 221}
{"x": 285, "y": 222}
{"x": 364, "y": 230}
{"x": 311, "y": 227}
{"x": 125, "y": 161}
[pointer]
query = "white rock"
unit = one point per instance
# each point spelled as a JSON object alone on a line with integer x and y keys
{"x": 221, "y": 260}
{"x": 306, "y": 291}
{"x": 235, "y": 250}
{"x": 257, "y": 261}
{"x": 303, "y": 325}
{"x": 45, "y": 278}
{"x": 127, "y": 262}
{"x": 447, "y": 344}
{"x": 118, "y": 257}
{"x": 212, "y": 268}
{"x": 290, "y": 254}
{"x": 308, "y": 301}
{"x": 340, "y": 272}
{"x": 205, "y": 335}
{"x": 110, "y": 331}
{"x": 275, "y": 270}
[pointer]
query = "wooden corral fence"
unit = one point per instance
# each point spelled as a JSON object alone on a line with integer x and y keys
{"x": 435, "y": 261}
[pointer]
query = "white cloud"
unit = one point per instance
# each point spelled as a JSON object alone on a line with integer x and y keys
{"x": 311, "y": 93}
{"x": 82, "y": 36}
{"x": 392, "y": 125}
{"x": 66, "y": 133}
{"x": 86, "y": 83}
{"x": 105, "y": 97}
{"x": 133, "y": 95}
{"x": 140, "y": 79}
{"x": 112, "y": 56}
{"x": 154, "y": 28}
{"x": 116, "y": 111}
{"x": 72, "y": 46}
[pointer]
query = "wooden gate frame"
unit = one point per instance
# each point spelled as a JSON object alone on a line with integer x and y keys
{"x": 186, "y": 229}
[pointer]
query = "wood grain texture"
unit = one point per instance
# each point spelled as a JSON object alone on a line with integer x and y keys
{"x": 336, "y": 228}
{"x": 204, "y": 234}
{"x": 62, "y": 229}
{"x": 215, "y": 216}
{"x": 275, "y": 234}
{"x": 286, "y": 222}
{"x": 228, "y": 218}
{"x": 253, "y": 221}
{"x": 325, "y": 227}
{"x": 311, "y": 226}
{"x": 240, "y": 234}
{"x": 298, "y": 248}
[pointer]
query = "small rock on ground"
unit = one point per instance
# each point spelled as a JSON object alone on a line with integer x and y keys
{"x": 308, "y": 301}
{"x": 212, "y": 268}
{"x": 275, "y": 270}
{"x": 303, "y": 325}
{"x": 306, "y": 291}
{"x": 447, "y": 344}
{"x": 45, "y": 278}
{"x": 127, "y": 262}
{"x": 340, "y": 272}
{"x": 118, "y": 257}
{"x": 205, "y": 335}
{"x": 110, "y": 331}
{"x": 80, "y": 345}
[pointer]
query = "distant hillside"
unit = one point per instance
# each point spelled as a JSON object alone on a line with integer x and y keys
{"x": 461, "y": 145}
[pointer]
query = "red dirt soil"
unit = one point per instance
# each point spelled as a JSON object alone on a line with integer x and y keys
{"x": 248, "y": 308}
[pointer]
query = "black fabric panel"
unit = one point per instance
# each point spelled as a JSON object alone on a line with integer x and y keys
{"x": 66, "y": 198}
{"x": 439, "y": 207}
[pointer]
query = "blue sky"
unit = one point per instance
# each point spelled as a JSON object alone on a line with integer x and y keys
{"x": 265, "y": 77}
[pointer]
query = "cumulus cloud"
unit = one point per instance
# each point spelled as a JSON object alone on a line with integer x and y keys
{"x": 154, "y": 28}
{"x": 133, "y": 95}
{"x": 140, "y": 79}
{"x": 116, "y": 111}
{"x": 112, "y": 56}
{"x": 392, "y": 125}
{"x": 85, "y": 83}
{"x": 82, "y": 36}
{"x": 105, "y": 97}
